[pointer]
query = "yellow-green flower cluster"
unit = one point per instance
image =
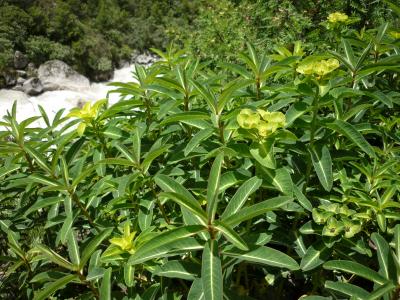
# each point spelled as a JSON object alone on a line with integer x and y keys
{"x": 337, "y": 219}
{"x": 395, "y": 34}
{"x": 337, "y": 17}
{"x": 319, "y": 68}
{"x": 125, "y": 242}
{"x": 87, "y": 114}
{"x": 264, "y": 121}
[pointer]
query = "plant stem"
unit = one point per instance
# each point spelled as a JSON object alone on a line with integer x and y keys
{"x": 84, "y": 211}
{"x": 258, "y": 87}
{"x": 312, "y": 136}
{"x": 221, "y": 129}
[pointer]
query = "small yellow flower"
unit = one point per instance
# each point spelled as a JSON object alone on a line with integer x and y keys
{"x": 248, "y": 119}
{"x": 277, "y": 118}
{"x": 265, "y": 129}
{"x": 264, "y": 121}
{"x": 86, "y": 114}
{"x": 337, "y": 17}
{"x": 126, "y": 241}
{"x": 395, "y": 34}
{"x": 319, "y": 68}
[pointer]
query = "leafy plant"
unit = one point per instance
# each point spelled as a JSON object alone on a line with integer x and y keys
{"x": 275, "y": 177}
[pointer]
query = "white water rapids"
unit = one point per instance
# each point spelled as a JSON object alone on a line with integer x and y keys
{"x": 53, "y": 101}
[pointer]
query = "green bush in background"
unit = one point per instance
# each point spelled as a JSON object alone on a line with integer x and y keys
{"x": 94, "y": 36}
{"x": 74, "y": 30}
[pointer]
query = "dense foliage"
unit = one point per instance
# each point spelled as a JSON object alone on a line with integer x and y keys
{"x": 276, "y": 177}
{"x": 97, "y": 35}
{"x": 224, "y": 26}
{"x": 94, "y": 36}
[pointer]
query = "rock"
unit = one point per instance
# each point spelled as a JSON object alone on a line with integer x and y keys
{"x": 20, "y": 81}
{"x": 122, "y": 64}
{"x": 20, "y": 60}
{"x": 57, "y": 75}
{"x": 9, "y": 96}
{"x": 143, "y": 58}
{"x": 22, "y": 74}
{"x": 33, "y": 86}
{"x": 10, "y": 78}
{"x": 103, "y": 75}
{"x": 18, "y": 88}
{"x": 31, "y": 70}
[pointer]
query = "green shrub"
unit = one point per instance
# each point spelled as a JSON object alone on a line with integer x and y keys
{"x": 271, "y": 178}
{"x": 220, "y": 27}
{"x": 40, "y": 49}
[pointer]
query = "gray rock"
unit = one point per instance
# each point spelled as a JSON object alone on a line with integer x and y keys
{"x": 31, "y": 70}
{"x": 48, "y": 87}
{"x": 10, "y": 78}
{"x": 22, "y": 73}
{"x": 18, "y": 88}
{"x": 103, "y": 75}
{"x": 57, "y": 75}
{"x": 20, "y": 81}
{"x": 33, "y": 86}
{"x": 122, "y": 64}
{"x": 20, "y": 60}
{"x": 143, "y": 58}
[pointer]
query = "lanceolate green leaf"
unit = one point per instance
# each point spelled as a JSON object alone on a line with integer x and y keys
{"x": 211, "y": 272}
{"x": 263, "y": 153}
{"x": 194, "y": 207}
{"x": 353, "y": 135}
{"x": 348, "y": 50}
{"x": 46, "y": 180}
{"x": 356, "y": 269}
{"x": 196, "y": 290}
{"x": 164, "y": 239}
{"x": 197, "y": 138}
{"x": 386, "y": 265}
{"x": 55, "y": 257}
{"x": 136, "y": 144}
{"x": 348, "y": 289}
{"x": 207, "y": 95}
{"x": 54, "y": 286}
{"x": 231, "y": 235}
{"x": 150, "y": 157}
{"x": 93, "y": 245}
{"x": 266, "y": 256}
{"x": 397, "y": 242}
{"x": 66, "y": 228}
{"x": 39, "y": 158}
{"x": 170, "y": 185}
{"x": 322, "y": 162}
{"x": 42, "y": 203}
{"x": 7, "y": 170}
{"x": 382, "y": 291}
{"x": 213, "y": 186}
{"x": 178, "y": 269}
{"x": 280, "y": 178}
{"x": 302, "y": 199}
{"x": 255, "y": 210}
{"x": 73, "y": 249}
{"x": 241, "y": 196}
{"x": 315, "y": 255}
{"x": 172, "y": 248}
{"x": 126, "y": 152}
{"x": 105, "y": 288}
{"x": 189, "y": 115}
